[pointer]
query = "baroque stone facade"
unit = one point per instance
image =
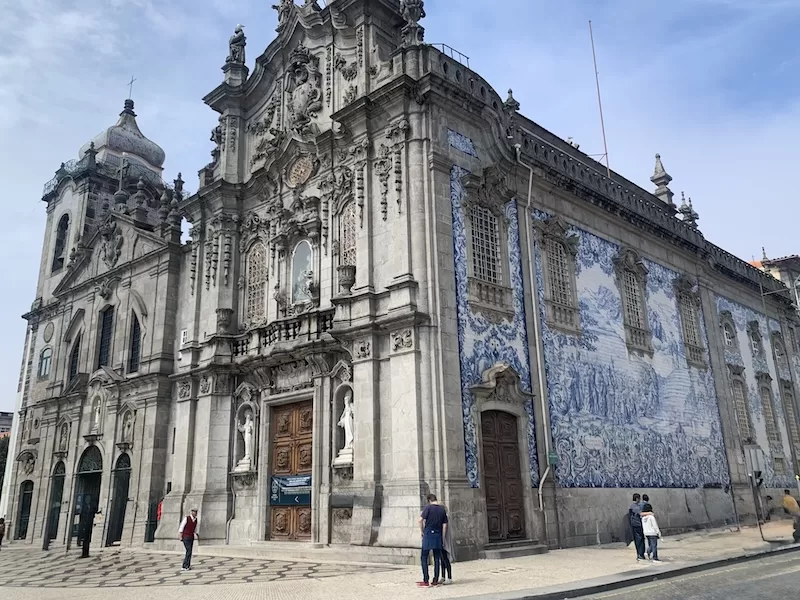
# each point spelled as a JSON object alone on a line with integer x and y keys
{"x": 387, "y": 292}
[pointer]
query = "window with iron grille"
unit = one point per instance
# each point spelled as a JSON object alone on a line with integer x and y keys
{"x": 558, "y": 273}
{"x": 632, "y": 300}
{"x": 690, "y": 321}
{"x": 791, "y": 414}
{"x": 106, "y": 333}
{"x": 780, "y": 465}
{"x": 74, "y": 358}
{"x": 485, "y": 245}
{"x": 348, "y": 232}
{"x": 740, "y": 408}
{"x": 255, "y": 309}
{"x": 136, "y": 345}
{"x": 773, "y": 435}
{"x": 730, "y": 336}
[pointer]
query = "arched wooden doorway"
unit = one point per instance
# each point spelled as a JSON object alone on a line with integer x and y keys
{"x": 25, "y": 500}
{"x": 56, "y": 493}
{"x": 119, "y": 502}
{"x": 87, "y": 489}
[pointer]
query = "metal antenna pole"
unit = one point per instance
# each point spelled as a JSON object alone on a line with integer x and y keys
{"x": 599, "y": 102}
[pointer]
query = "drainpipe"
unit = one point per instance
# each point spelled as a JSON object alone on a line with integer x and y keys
{"x": 537, "y": 333}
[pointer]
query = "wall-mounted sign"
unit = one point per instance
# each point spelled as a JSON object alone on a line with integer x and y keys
{"x": 292, "y": 490}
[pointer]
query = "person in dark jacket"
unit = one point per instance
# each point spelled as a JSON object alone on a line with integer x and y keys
{"x": 635, "y": 518}
{"x": 86, "y": 525}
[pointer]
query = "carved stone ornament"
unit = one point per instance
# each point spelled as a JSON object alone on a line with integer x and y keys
{"x": 413, "y": 12}
{"x": 205, "y": 384}
{"x": 362, "y": 349}
{"x": 490, "y": 191}
{"x": 285, "y": 9}
{"x": 224, "y": 320}
{"x": 111, "y": 245}
{"x": 347, "y": 278}
{"x": 184, "y": 388}
{"x": 556, "y": 228}
{"x": 301, "y": 169}
{"x": 402, "y": 340}
{"x": 243, "y": 481}
{"x": 501, "y": 383}
{"x": 304, "y": 91}
{"x": 28, "y": 463}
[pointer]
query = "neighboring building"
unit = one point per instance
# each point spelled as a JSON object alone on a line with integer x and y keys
{"x": 381, "y": 299}
{"x": 786, "y": 270}
{"x": 6, "y": 419}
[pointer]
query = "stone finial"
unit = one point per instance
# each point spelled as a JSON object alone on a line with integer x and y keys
{"x": 179, "y": 186}
{"x": 90, "y": 155}
{"x": 511, "y": 103}
{"x": 413, "y": 12}
{"x": 764, "y": 253}
{"x": 662, "y": 179}
{"x": 690, "y": 217}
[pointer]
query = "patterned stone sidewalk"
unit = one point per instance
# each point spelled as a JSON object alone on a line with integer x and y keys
{"x": 29, "y": 574}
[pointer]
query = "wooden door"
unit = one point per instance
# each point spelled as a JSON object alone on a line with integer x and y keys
{"x": 291, "y": 455}
{"x": 502, "y": 476}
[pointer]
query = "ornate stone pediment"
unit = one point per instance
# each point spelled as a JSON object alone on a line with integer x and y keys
{"x": 501, "y": 384}
{"x": 556, "y": 228}
{"x": 490, "y": 191}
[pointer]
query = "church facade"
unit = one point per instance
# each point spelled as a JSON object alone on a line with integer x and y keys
{"x": 395, "y": 284}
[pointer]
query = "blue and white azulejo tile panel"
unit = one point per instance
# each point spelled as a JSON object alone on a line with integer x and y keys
{"x": 620, "y": 420}
{"x": 482, "y": 344}
{"x": 461, "y": 142}
{"x": 755, "y": 363}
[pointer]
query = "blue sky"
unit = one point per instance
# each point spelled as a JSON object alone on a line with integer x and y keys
{"x": 710, "y": 84}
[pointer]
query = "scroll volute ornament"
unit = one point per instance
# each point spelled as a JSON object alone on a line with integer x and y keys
{"x": 490, "y": 191}
{"x": 556, "y": 228}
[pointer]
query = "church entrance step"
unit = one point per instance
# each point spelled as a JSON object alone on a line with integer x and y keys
{"x": 500, "y": 550}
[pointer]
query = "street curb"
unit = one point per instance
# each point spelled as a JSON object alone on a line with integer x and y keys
{"x": 628, "y": 579}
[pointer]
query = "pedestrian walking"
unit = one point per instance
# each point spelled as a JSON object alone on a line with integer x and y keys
{"x": 651, "y": 532}
{"x": 433, "y": 527}
{"x": 188, "y": 532}
{"x": 86, "y": 525}
{"x": 635, "y": 519}
{"x": 2, "y": 531}
{"x": 447, "y": 553}
{"x": 790, "y": 505}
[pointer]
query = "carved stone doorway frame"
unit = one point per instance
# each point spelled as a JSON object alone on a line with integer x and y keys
{"x": 500, "y": 390}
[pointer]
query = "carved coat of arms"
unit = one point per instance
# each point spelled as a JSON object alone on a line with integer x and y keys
{"x": 111, "y": 247}
{"x": 304, "y": 88}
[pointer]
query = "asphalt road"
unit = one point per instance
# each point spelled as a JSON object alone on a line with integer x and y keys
{"x": 769, "y": 578}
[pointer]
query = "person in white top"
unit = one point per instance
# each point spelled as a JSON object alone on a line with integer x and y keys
{"x": 188, "y": 531}
{"x": 651, "y": 532}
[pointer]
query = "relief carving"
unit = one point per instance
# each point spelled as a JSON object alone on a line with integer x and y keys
{"x": 184, "y": 388}
{"x": 362, "y": 349}
{"x": 111, "y": 247}
{"x": 402, "y": 340}
{"x": 304, "y": 88}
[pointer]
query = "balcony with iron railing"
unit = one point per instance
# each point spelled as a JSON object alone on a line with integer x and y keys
{"x": 300, "y": 330}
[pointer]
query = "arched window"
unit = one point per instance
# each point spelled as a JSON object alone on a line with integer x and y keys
{"x": 135, "y": 344}
{"x": 74, "y": 358}
{"x": 793, "y": 426}
{"x": 302, "y": 273}
{"x": 106, "y": 334}
{"x": 45, "y": 360}
{"x": 255, "y": 309}
{"x": 60, "y": 251}
{"x": 730, "y": 336}
{"x": 348, "y": 234}
{"x": 689, "y": 310}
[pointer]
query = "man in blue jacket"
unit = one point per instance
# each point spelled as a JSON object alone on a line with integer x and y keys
{"x": 635, "y": 518}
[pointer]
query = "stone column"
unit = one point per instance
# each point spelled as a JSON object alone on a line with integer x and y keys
{"x": 366, "y": 440}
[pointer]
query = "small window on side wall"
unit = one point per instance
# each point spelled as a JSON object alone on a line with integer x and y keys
{"x": 559, "y": 249}
{"x": 689, "y": 310}
{"x": 45, "y": 361}
{"x": 74, "y": 358}
{"x": 106, "y": 335}
{"x": 632, "y": 283}
{"x": 135, "y": 345}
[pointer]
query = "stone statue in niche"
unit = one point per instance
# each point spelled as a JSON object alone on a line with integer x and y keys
{"x": 246, "y": 429}
{"x": 236, "y": 45}
{"x": 127, "y": 428}
{"x": 96, "y": 415}
{"x": 63, "y": 439}
{"x": 347, "y": 423}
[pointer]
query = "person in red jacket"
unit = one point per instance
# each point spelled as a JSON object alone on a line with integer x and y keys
{"x": 188, "y": 533}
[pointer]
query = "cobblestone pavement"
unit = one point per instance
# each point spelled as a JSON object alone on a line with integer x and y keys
{"x": 26, "y": 573}
{"x": 114, "y": 568}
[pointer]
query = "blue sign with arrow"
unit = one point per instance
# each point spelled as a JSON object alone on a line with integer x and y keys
{"x": 293, "y": 490}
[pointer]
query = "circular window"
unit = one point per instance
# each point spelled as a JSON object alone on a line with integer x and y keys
{"x": 48, "y": 332}
{"x": 494, "y": 104}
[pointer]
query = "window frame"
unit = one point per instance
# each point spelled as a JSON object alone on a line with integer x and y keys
{"x": 494, "y": 300}
{"x": 555, "y": 233}
{"x": 105, "y": 342}
{"x": 638, "y": 337}
{"x": 73, "y": 365}
{"x": 45, "y": 365}
{"x": 311, "y": 295}
{"x": 687, "y": 298}
{"x": 59, "y": 260}
{"x": 792, "y": 422}
{"x": 255, "y": 318}
{"x": 755, "y": 339}
{"x": 769, "y": 408}
{"x": 135, "y": 344}
{"x": 779, "y": 351}
{"x": 741, "y": 414}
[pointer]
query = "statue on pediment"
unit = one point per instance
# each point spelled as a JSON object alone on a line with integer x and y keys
{"x": 236, "y": 45}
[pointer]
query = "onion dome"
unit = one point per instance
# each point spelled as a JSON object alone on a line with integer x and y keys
{"x": 125, "y": 137}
